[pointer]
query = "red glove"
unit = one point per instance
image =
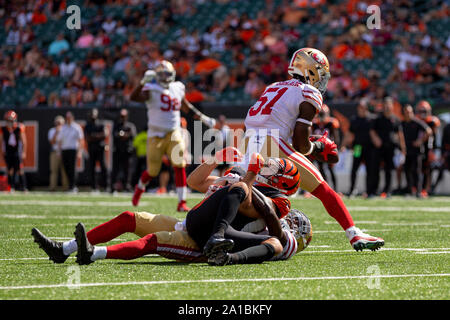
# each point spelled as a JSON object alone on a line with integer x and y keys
{"x": 324, "y": 146}
{"x": 256, "y": 163}
{"x": 228, "y": 154}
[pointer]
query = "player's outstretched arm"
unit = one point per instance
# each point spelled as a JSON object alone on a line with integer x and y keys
{"x": 200, "y": 179}
{"x": 186, "y": 106}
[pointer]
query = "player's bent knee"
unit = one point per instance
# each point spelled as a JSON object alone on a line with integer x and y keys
{"x": 275, "y": 243}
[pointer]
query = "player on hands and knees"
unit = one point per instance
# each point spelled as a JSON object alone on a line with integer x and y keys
{"x": 164, "y": 98}
{"x": 284, "y": 113}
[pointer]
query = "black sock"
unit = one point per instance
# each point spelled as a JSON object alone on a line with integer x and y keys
{"x": 228, "y": 209}
{"x": 256, "y": 254}
{"x": 23, "y": 181}
{"x": 11, "y": 181}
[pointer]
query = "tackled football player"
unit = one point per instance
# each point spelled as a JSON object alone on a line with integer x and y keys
{"x": 279, "y": 125}
{"x": 164, "y": 98}
{"x": 166, "y": 236}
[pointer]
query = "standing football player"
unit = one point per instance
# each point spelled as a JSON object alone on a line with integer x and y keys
{"x": 13, "y": 146}
{"x": 164, "y": 98}
{"x": 283, "y": 114}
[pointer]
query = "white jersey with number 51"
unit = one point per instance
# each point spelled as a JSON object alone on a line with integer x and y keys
{"x": 163, "y": 107}
{"x": 279, "y": 106}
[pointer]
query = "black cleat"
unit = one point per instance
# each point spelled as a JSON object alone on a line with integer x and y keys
{"x": 52, "y": 248}
{"x": 219, "y": 258}
{"x": 216, "y": 244}
{"x": 85, "y": 249}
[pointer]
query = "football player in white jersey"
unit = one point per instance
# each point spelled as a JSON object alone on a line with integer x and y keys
{"x": 279, "y": 125}
{"x": 164, "y": 98}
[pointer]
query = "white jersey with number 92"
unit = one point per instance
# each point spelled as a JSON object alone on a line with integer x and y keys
{"x": 163, "y": 107}
{"x": 277, "y": 109}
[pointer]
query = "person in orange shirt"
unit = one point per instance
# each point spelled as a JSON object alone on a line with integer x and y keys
{"x": 38, "y": 17}
{"x": 207, "y": 65}
{"x": 192, "y": 94}
{"x": 363, "y": 50}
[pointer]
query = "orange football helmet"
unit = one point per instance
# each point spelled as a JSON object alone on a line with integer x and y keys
{"x": 280, "y": 174}
{"x": 10, "y": 116}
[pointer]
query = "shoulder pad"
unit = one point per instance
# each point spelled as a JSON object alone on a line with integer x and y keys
{"x": 313, "y": 96}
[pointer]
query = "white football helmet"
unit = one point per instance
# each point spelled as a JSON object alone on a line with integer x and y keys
{"x": 165, "y": 73}
{"x": 310, "y": 66}
{"x": 297, "y": 223}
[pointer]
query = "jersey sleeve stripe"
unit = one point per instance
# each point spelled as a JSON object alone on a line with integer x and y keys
{"x": 319, "y": 97}
{"x": 317, "y": 104}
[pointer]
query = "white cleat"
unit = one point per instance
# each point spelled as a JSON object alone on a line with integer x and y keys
{"x": 360, "y": 240}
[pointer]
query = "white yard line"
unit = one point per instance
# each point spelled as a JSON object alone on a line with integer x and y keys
{"x": 140, "y": 283}
{"x": 59, "y": 203}
{"x": 400, "y": 209}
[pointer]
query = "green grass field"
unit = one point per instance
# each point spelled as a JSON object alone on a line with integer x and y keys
{"x": 414, "y": 264}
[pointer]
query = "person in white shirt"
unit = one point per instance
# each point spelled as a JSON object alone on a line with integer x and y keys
{"x": 56, "y": 165}
{"x": 71, "y": 144}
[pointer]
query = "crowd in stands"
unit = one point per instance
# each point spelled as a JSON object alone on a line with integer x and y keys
{"x": 223, "y": 50}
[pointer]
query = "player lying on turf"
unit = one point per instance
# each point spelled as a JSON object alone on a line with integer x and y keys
{"x": 163, "y": 235}
{"x": 284, "y": 113}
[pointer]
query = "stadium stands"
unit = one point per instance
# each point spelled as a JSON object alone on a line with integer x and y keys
{"x": 123, "y": 38}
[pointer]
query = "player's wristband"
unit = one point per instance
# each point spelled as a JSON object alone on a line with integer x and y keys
{"x": 309, "y": 123}
{"x": 310, "y": 150}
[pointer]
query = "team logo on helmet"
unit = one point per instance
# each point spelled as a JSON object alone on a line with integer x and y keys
{"x": 10, "y": 116}
{"x": 310, "y": 66}
{"x": 280, "y": 174}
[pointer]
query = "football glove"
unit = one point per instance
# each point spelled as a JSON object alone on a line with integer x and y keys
{"x": 149, "y": 75}
{"x": 324, "y": 146}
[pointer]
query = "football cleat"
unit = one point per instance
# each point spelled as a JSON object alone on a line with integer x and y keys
{"x": 52, "y": 248}
{"x": 137, "y": 195}
{"x": 217, "y": 244}
{"x": 85, "y": 249}
{"x": 361, "y": 241}
{"x": 182, "y": 207}
{"x": 219, "y": 258}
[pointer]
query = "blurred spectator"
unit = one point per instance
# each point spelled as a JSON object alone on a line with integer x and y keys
{"x": 13, "y": 146}
{"x": 72, "y": 143}
{"x": 56, "y": 165}
{"x": 66, "y": 68}
{"x": 123, "y": 134}
{"x": 58, "y": 46}
{"x": 86, "y": 40}
{"x": 54, "y": 100}
{"x": 445, "y": 156}
{"x": 386, "y": 134}
{"x": 416, "y": 134}
{"x": 358, "y": 138}
{"x": 38, "y": 17}
{"x": 254, "y": 86}
{"x": 38, "y": 99}
{"x": 96, "y": 133}
{"x": 109, "y": 25}
{"x": 140, "y": 147}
